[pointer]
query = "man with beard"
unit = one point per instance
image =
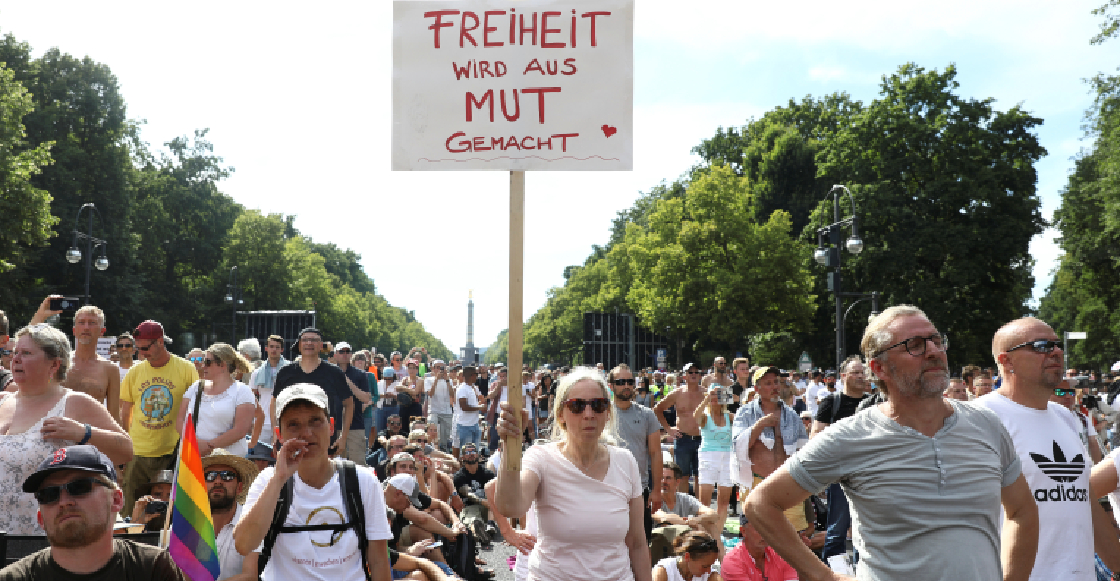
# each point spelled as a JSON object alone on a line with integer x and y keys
{"x": 470, "y": 481}
{"x": 925, "y": 475}
{"x": 227, "y": 482}
{"x": 1055, "y": 461}
{"x": 89, "y": 372}
{"x": 78, "y": 503}
{"x": 640, "y": 433}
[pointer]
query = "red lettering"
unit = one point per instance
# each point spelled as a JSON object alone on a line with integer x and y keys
{"x": 439, "y": 23}
{"x": 527, "y": 145}
{"x": 573, "y": 28}
{"x": 564, "y": 139}
{"x": 488, "y": 96}
{"x": 592, "y": 15}
{"x": 545, "y": 30}
{"x": 547, "y": 142}
{"x": 512, "y": 142}
{"x": 496, "y": 142}
{"x": 516, "y": 104}
{"x": 568, "y": 63}
{"x": 533, "y": 66}
{"x": 484, "y": 69}
{"x": 512, "y": 24}
{"x": 480, "y": 144}
{"x": 487, "y": 29}
{"x": 540, "y": 91}
{"x": 552, "y": 66}
{"x": 532, "y": 30}
{"x": 447, "y": 143}
{"x": 461, "y": 72}
{"x": 465, "y": 32}
{"x": 500, "y": 68}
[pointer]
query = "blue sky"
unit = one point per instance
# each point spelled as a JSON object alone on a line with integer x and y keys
{"x": 297, "y": 99}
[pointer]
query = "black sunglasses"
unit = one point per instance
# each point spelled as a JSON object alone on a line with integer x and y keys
{"x": 227, "y": 475}
{"x": 1040, "y": 346}
{"x": 343, "y": 351}
{"x": 209, "y": 362}
{"x": 149, "y": 346}
{"x": 124, "y": 345}
{"x": 75, "y": 488}
{"x": 1060, "y": 392}
{"x": 624, "y": 381}
{"x": 598, "y": 405}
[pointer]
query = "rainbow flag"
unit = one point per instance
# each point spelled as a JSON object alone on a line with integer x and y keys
{"x": 192, "y": 543}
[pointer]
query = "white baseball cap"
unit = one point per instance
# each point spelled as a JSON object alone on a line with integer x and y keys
{"x": 343, "y": 345}
{"x": 406, "y": 484}
{"x": 305, "y": 391}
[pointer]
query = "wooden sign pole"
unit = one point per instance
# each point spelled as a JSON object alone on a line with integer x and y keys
{"x": 511, "y": 456}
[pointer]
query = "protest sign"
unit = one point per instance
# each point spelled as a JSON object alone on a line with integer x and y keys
{"x": 528, "y": 85}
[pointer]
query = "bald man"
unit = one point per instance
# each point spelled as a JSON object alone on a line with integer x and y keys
{"x": 1055, "y": 461}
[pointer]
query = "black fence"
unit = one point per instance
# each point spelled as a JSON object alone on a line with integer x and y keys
{"x": 287, "y": 324}
{"x": 613, "y": 338}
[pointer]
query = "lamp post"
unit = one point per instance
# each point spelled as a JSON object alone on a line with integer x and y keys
{"x": 73, "y": 255}
{"x": 831, "y": 257}
{"x": 233, "y": 297}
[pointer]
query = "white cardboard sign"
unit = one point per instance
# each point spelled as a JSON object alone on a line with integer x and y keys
{"x": 526, "y": 85}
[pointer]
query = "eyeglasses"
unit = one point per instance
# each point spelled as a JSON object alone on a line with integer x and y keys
{"x": 1060, "y": 392}
{"x": 624, "y": 381}
{"x": 1040, "y": 346}
{"x": 693, "y": 373}
{"x": 75, "y": 488}
{"x": 343, "y": 351}
{"x": 146, "y": 347}
{"x": 598, "y": 405}
{"x": 916, "y": 346}
{"x": 197, "y": 359}
{"x": 209, "y": 362}
{"x": 227, "y": 475}
{"x": 419, "y": 441}
{"x": 124, "y": 345}
{"x": 403, "y": 465}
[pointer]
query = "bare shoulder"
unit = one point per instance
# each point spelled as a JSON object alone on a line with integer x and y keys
{"x": 81, "y": 404}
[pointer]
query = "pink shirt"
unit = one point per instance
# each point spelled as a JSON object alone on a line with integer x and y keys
{"x": 582, "y": 523}
{"x": 738, "y": 565}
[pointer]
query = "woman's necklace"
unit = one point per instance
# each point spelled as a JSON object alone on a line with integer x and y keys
{"x": 570, "y": 454}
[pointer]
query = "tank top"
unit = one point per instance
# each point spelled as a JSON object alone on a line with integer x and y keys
{"x": 20, "y": 455}
{"x": 715, "y": 438}
{"x": 674, "y": 573}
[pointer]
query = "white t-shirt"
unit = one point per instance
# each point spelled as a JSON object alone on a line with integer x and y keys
{"x": 124, "y": 371}
{"x": 216, "y": 413}
{"x": 811, "y": 397}
{"x": 266, "y": 401}
{"x": 308, "y": 555}
{"x": 466, "y": 391}
{"x": 524, "y": 400}
{"x": 1056, "y": 465}
{"x": 438, "y": 402}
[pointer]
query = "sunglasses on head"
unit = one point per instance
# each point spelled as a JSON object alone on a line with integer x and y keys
{"x": 624, "y": 381}
{"x": 598, "y": 405}
{"x": 1060, "y": 392}
{"x": 75, "y": 488}
{"x": 227, "y": 475}
{"x": 124, "y": 345}
{"x": 1040, "y": 346}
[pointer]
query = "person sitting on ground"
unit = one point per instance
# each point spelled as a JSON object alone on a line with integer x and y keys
{"x": 396, "y": 446}
{"x": 410, "y": 462}
{"x": 377, "y": 453}
{"x": 695, "y": 553}
{"x": 413, "y": 528}
{"x": 442, "y": 460}
{"x": 157, "y": 494}
{"x": 679, "y": 513}
{"x": 754, "y": 559}
{"x": 470, "y": 482}
{"x": 76, "y": 490}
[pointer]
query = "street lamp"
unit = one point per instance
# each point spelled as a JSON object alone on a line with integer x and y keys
{"x": 830, "y": 256}
{"x": 74, "y": 255}
{"x": 233, "y": 297}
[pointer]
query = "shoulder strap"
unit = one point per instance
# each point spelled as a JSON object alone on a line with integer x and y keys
{"x": 283, "y": 504}
{"x": 355, "y": 509}
{"x": 197, "y": 402}
{"x": 835, "y": 406}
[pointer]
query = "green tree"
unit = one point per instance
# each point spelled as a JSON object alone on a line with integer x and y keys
{"x": 498, "y": 351}
{"x": 256, "y": 246}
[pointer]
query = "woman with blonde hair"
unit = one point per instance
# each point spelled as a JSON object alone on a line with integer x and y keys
{"x": 586, "y": 491}
{"x": 715, "y": 450}
{"x": 696, "y": 552}
{"x": 225, "y": 412}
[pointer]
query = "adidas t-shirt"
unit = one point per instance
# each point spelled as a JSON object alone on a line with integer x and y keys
{"x": 1056, "y": 466}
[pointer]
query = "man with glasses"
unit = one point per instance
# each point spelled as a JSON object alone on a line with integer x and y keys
{"x": 358, "y": 382}
{"x": 227, "y": 483}
{"x": 78, "y": 500}
{"x": 720, "y": 374}
{"x": 982, "y": 385}
{"x": 311, "y": 369}
{"x": 1066, "y": 396}
{"x": 925, "y": 475}
{"x": 640, "y": 433}
{"x": 126, "y": 353}
{"x": 686, "y": 434}
{"x": 1055, "y": 460}
{"x": 150, "y": 399}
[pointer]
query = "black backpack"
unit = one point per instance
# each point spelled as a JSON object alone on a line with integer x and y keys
{"x": 355, "y": 514}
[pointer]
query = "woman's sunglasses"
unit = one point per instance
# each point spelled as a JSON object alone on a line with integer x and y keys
{"x": 75, "y": 488}
{"x": 598, "y": 405}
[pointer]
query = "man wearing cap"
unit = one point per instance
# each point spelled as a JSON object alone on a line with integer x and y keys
{"x": 227, "y": 483}
{"x": 150, "y": 398}
{"x": 412, "y": 524}
{"x": 765, "y": 432}
{"x": 305, "y": 430}
{"x": 359, "y": 385}
{"x": 158, "y": 490}
{"x": 686, "y": 433}
{"x": 78, "y": 502}
{"x": 311, "y": 369}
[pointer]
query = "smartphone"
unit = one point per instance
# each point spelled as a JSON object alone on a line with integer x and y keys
{"x": 65, "y": 304}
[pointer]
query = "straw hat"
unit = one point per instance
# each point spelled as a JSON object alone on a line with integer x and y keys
{"x": 245, "y": 468}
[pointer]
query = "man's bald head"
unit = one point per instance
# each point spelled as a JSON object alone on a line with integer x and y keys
{"x": 1015, "y": 333}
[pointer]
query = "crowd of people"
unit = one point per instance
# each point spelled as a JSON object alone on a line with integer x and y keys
{"x": 341, "y": 463}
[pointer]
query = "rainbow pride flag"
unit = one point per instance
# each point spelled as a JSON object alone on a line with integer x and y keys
{"x": 192, "y": 543}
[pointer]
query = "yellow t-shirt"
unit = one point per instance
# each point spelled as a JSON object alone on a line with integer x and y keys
{"x": 155, "y": 394}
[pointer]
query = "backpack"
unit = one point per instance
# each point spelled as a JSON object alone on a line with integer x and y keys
{"x": 355, "y": 513}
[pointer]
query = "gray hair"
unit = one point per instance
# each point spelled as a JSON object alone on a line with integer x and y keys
{"x": 92, "y": 310}
{"x": 250, "y": 348}
{"x": 53, "y": 342}
{"x": 876, "y": 337}
{"x": 610, "y": 431}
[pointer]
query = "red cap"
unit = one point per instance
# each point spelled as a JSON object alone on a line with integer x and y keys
{"x": 149, "y": 331}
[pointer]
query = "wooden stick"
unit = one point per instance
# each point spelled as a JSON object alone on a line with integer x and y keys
{"x": 511, "y": 456}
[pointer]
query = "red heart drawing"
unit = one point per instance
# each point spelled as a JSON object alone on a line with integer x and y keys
{"x": 608, "y": 130}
